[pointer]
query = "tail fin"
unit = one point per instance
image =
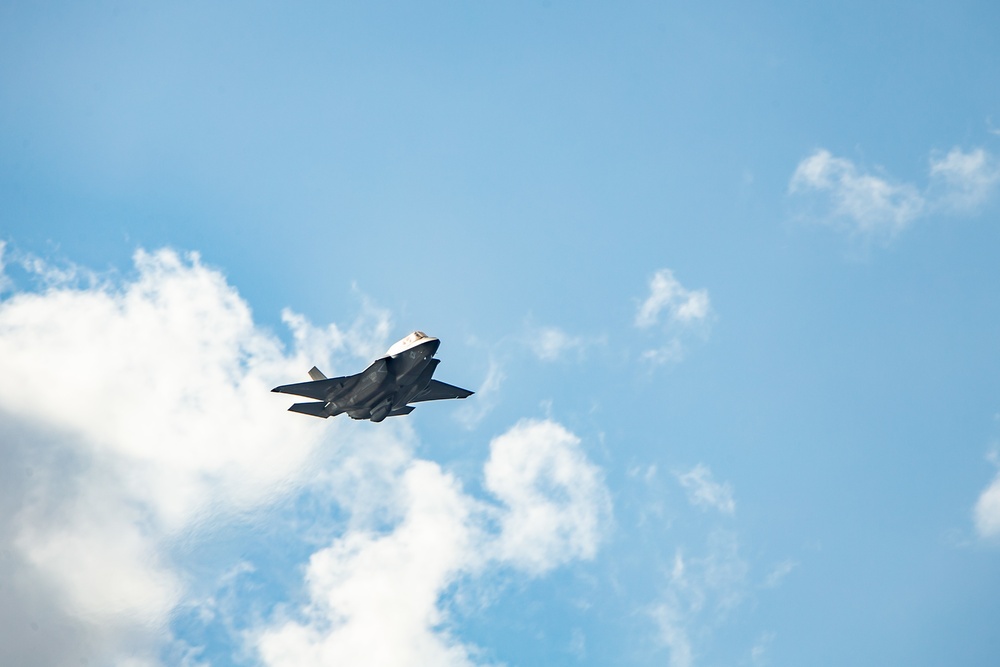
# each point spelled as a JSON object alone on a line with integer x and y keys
{"x": 316, "y": 374}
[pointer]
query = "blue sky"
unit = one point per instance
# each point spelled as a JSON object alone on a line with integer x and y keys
{"x": 725, "y": 279}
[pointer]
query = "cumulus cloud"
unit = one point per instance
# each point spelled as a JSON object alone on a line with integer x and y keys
{"x": 680, "y": 311}
{"x": 379, "y": 597}
{"x": 136, "y": 418}
{"x": 130, "y": 410}
{"x": 874, "y": 206}
{"x": 556, "y": 505}
{"x": 704, "y": 491}
{"x": 374, "y": 598}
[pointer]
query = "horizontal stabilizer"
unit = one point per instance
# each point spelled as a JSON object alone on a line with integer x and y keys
{"x": 316, "y": 374}
{"x": 437, "y": 391}
{"x": 399, "y": 412}
{"x": 317, "y": 409}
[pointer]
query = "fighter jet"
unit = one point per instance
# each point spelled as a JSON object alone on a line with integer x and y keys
{"x": 401, "y": 376}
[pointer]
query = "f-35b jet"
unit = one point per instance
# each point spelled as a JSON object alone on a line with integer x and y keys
{"x": 401, "y": 376}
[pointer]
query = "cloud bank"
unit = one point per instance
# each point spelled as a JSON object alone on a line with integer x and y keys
{"x": 135, "y": 419}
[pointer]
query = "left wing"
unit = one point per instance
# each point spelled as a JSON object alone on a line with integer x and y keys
{"x": 437, "y": 391}
{"x": 318, "y": 389}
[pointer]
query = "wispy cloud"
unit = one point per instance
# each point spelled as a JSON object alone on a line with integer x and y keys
{"x": 668, "y": 296}
{"x": 986, "y": 513}
{"x": 552, "y": 343}
{"x": 779, "y": 572}
{"x": 705, "y": 492}
{"x": 963, "y": 182}
{"x": 699, "y": 593}
{"x": 678, "y": 310}
{"x": 758, "y": 653}
{"x": 876, "y": 207}
{"x": 471, "y": 413}
{"x": 5, "y": 283}
{"x": 870, "y": 205}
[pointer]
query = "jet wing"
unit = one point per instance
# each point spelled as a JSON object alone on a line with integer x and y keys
{"x": 317, "y": 389}
{"x": 437, "y": 391}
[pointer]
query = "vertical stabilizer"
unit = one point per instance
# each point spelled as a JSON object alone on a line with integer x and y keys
{"x": 316, "y": 374}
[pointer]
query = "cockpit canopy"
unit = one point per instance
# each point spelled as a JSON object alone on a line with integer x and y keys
{"x": 414, "y": 339}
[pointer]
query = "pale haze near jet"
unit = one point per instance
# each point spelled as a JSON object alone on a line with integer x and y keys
{"x": 404, "y": 374}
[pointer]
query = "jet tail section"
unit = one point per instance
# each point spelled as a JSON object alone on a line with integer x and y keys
{"x": 399, "y": 412}
{"x": 316, "y": 374}
{"x": 317, "y": 409}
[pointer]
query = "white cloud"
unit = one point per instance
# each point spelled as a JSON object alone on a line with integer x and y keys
{"x": 133, "y": 412}
{"x": 986, "y": 513}
{"x": 5, "y": 283}
{"x": 557, "y": 507}
{"x": 552, "y": 343}
{"x": 962, "y": 181}
{"x": 136, "y": 416}
{"x": 874, "y": 207}
{"x": 758, "y": 654}
{"x": 681, "y": 310}
{"x": 871, "y": 205}
{"x": 470, "y": 414}
{"x": 378, "y": 597}
{"x": 778, "y": 574}
{"x": 374, "y": 598}
{"x": 667, "y": 294}
{"x": 674, "y": 634}
{"x": 699, "y": 594}
{"x": 703, "y": 491}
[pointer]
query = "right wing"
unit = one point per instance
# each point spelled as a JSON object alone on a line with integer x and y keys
{"x": 437, "y": 391}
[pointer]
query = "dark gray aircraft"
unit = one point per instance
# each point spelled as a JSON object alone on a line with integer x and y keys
{"x": 401, "y": 376}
